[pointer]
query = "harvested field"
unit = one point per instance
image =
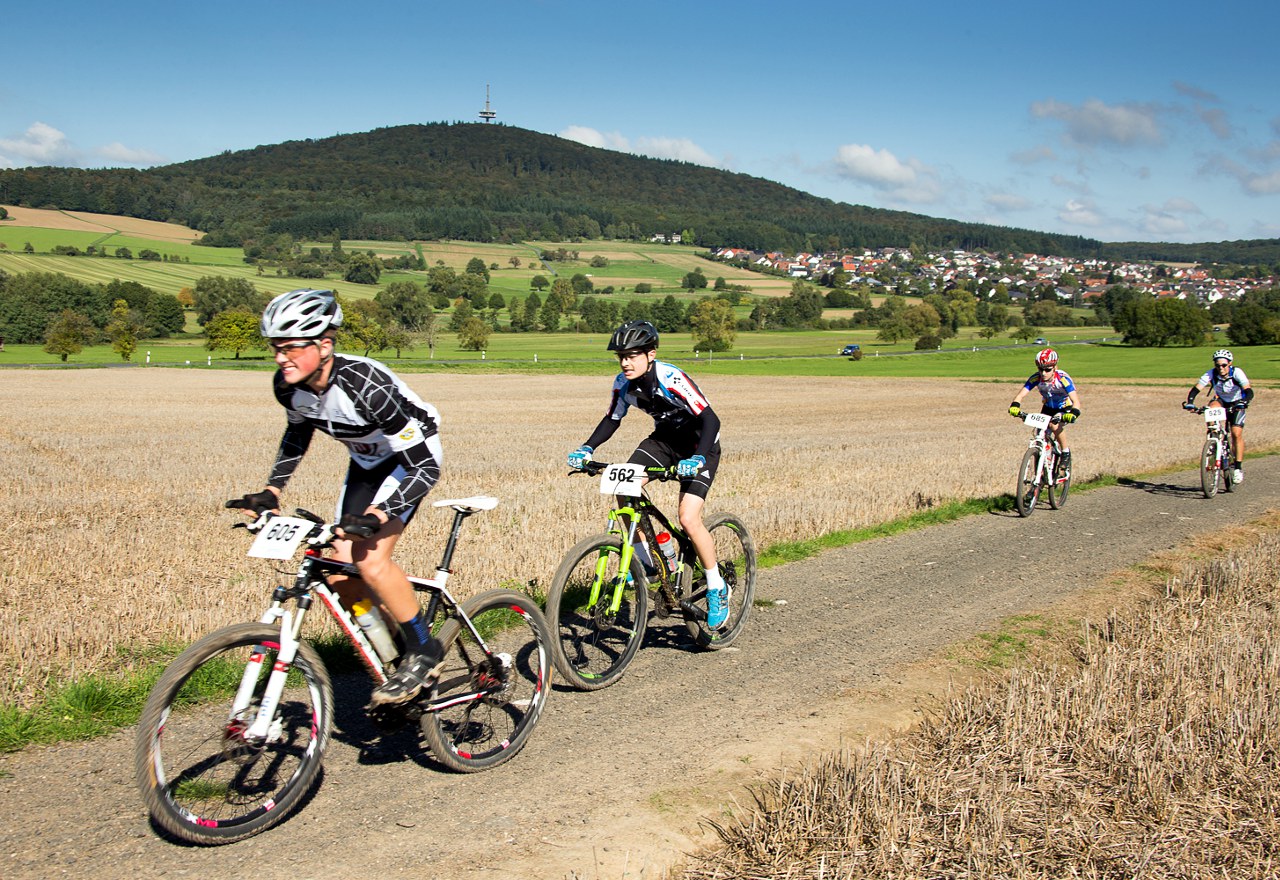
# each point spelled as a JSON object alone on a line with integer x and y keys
{"x": 1152, "y": 755}
{"x": 116, "y": 481}
{"x": 85, "y": 221}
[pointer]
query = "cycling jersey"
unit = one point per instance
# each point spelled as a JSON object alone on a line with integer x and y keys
{"x": 681, "y": 414}
{"x": 1055, "y": 390}
{"x": 1229, "y": 388}
{"x": 375, "y": 415}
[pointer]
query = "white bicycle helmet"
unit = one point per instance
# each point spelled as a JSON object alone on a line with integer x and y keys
{"x": 301, "y": 314}
{"x": 1223, "y": 354}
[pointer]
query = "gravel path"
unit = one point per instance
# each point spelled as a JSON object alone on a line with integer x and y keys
{"x": 613, "y": 783}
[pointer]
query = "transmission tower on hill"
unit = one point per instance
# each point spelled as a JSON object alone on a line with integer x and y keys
{"x": 486, "y": 114}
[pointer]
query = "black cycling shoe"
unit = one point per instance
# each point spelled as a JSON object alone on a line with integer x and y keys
{"x": 419, "y": 670}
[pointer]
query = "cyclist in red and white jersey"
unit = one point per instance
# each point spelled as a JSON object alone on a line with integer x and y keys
{"x": 1058, "y": 393}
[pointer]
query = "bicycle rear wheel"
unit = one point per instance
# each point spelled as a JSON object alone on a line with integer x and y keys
{"x": 1228, "y": 472}
{"x": 485, "y": 704}
{"x": 592, "y": 642}
{"x": 1059, "y": 484}
{"x": 1209, "y": 470}
{"x": 736, "y": 559}
{"x": 1028, "y": 488}
{"x": 202, "y": 778}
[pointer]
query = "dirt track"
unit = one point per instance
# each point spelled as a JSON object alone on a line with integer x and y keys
{"x": 613, "y": 783}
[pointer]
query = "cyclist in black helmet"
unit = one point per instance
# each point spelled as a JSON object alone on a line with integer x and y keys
{"x": 1230, "y": 388}
{"x": 686, "y": 433}
{"x": 391, "y": 435}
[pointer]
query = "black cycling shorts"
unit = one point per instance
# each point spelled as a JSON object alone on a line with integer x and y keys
{"x": 653, "y": 452}
{"x": 366, "y": 486}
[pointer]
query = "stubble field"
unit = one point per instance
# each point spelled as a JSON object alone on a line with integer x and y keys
{"x": 116, "y": 540}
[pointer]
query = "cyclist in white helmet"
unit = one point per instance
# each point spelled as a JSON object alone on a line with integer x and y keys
{"x": 1058, "y": 393}
{"x": 391, "y": 435}
{"x": 1230, "y": 388}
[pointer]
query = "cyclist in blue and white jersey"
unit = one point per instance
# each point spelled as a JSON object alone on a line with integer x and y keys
{"x": 392, "y": 437}
{"x": 686, "y": 433}
{"x": 1231, "y": 388}
{"x": 1059, "y": 394}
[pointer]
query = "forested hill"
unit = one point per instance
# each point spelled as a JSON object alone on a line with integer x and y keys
{"x": 495, "y": 182}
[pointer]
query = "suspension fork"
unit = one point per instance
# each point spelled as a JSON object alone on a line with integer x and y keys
{"x": 290, "y": 627}
{"x": 627, "y": 532}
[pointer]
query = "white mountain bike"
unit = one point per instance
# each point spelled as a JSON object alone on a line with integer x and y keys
{"x": 1043, "y": 468}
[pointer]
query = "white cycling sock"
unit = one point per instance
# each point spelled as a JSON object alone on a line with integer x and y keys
{"x": 714, "y": 580}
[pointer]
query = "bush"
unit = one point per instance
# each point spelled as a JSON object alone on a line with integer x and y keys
{"x": 856, "y": 356}
{"x": 928, "y": 341}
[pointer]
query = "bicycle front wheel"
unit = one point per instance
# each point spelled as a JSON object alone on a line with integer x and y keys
{"x": 1209, "y": 470}
{"x": 1028, "y": 489}
{"x": 1059, "y": 484}
{"x": 203, "y": 778}
{"x": 594, "y": 641}
{"x": 486, "y": 703}
{"x": 1225, "y": 468}
{"x": 736, "y": 559}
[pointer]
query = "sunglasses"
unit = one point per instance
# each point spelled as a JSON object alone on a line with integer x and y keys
{"x": 289, "y": 349}
{"x": 1222, "y": 363}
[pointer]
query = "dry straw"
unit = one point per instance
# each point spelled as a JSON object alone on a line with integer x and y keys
{"x": 115, "y": 540}
{"x": 1153, "y": 757}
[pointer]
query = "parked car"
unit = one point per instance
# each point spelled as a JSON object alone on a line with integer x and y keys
{"x": 1040, "y": 340}
{"x": 850, "y": 349}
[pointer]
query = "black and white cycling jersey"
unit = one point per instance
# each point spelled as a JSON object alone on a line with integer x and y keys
{"x": 681, "y": 414}
{"x": 375, "y": 415}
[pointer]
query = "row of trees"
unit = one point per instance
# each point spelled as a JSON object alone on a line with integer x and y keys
{"x": 31, "y": 301}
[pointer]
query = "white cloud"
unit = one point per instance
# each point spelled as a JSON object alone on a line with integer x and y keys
{"x": 1167, "y": 219}
{"x": 592, "y": 138}
{"x": 906, "y": 181}
{"x": 39, "y": 145}
{"x": 681, "y": 149}
{"x": 1253, "y": 182}
{"x": 1094, "y": 123}
{"x": 1002, "y": 201}
{"x": 1195, "y": 92}
{"x": 1038, "y": 153}
{"x": 1080, "y": 187}
{"x": 1080, "y": 212}
{"x": 117, "y": 153}
{"x": 1216, "y": 120}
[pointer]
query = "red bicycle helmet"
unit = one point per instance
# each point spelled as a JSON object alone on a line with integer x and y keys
{"x": 1047, "y": 357}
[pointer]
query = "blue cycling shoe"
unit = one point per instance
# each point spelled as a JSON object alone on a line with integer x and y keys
{"x": 717, "y": 606}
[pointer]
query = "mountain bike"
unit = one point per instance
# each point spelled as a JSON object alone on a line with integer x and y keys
{"x": 1215, "y": 455}
{"x": 1043, "y": 468}
{"x": 234, "y": 731}
{"x": 598, "y": 603}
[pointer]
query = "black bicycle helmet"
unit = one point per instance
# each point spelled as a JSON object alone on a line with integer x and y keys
{"x": 634, "y": 336}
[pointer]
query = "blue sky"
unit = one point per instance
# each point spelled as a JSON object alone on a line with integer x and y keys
{"x": 1118, "y": 120}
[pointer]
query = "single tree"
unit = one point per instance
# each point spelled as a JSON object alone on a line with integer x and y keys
{"x": 713, "y": 324}
{"x": 68, "y": 334}
{"x": 473, "y": 335}
{"x": 235, "y": 330}
{"x": 123, "y": 329}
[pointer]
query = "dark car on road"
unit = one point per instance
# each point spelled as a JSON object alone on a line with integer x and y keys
{"x": 850, "y": 349}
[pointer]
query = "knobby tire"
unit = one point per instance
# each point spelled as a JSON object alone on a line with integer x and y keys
{"x": 593, "y": 646}
{"x": 736, "y": 559}
{"x": 1028, "y": 489}
{"x": 485, "y": 706}
{"x": 1059, "y": 484}
{"x": 1209, "y": 470}
{"x": 201, "y": 779}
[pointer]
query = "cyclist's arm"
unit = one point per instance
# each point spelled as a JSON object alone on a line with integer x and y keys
{"x": 709, "y": 428}
{"x": 607, "y": 428}
{"x": 293, "y": 445}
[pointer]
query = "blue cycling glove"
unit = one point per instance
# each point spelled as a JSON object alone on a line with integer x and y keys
{"x": 579, "y": 457}
{"x": 689, "y": 467}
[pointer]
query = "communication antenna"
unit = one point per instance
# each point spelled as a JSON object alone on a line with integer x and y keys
{"x": 486, "y": 114}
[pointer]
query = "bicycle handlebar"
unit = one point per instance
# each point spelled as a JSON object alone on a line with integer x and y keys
{"x": 655, "y": 472}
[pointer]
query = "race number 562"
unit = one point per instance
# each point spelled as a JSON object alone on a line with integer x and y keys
{"x": 622, "y": 479}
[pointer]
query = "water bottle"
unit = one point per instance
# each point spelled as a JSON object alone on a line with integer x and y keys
{"x": 375, "y": 628}
{"x": 668, "y": 548}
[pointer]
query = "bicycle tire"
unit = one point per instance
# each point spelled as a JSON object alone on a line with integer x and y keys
{"x": 1209, "y": 470}
{"x": 592, "y": 647}
{"x": 1228, "y": 472}
{"x": 1028, "y": 488}
{"x": 736, "y": 559}
{"x": 1059, "y": 485}
{"x": 200, "y": 779}
{"x": 479, "y": 716}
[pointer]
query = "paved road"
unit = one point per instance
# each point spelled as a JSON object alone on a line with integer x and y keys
{"x": 612, "y": 783}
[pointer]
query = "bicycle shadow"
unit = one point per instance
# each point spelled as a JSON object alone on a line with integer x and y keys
{"x": 1156, "y": 488}
{"x": 375, "y": 744}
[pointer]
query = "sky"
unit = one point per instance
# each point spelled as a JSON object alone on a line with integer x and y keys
{"x": 1119, "y": 121}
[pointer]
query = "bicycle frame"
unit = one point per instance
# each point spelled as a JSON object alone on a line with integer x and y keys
{"x": 1047, "y": 448}
{"x": 310, "y": 581}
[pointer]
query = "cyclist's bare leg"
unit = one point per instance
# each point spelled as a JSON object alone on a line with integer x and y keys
{"x": 1237, "y": 442}
{"x": 1059, "y": 430}
{"x": 691, "y": 521}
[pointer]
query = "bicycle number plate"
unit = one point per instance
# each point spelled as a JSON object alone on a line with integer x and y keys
{"x": 1039, "y": 421}
{"x": 280, "y": 538}
{"x": 622, "y": 479}
{"x": 1214, "y": 414}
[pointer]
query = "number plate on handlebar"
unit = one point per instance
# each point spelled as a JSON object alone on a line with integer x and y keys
{"x": 1214, "y": 414}
{"x": 1037, "y": 420}
{"x": 279, "y": 538}
{"x": 622, "y": 479}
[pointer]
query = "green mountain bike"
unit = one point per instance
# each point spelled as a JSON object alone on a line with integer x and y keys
{"x": 598, "y": 603}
